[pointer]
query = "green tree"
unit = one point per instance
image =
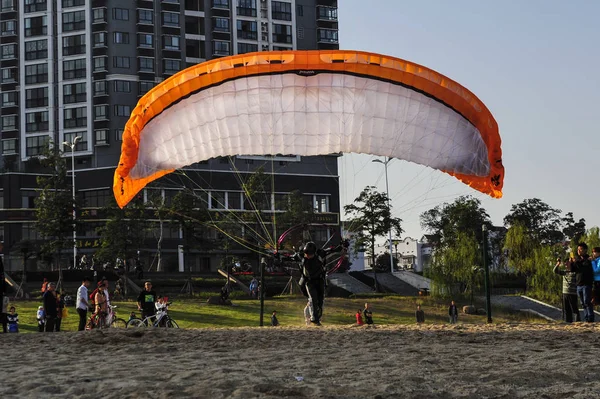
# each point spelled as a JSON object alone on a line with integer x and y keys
{"x": 371, "y": 217}
{"x": 456, "y": 266}
{"x": 464, "y": 215}
{"x": 542, "y": 222}
{"x": 591, "y": 238}
{"x": 123, "y": 233}
{"x": 54, "y": 207}
{"x": 573, "y": 230}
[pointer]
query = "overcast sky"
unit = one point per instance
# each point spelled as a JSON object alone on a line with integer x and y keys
{"x": 535, "y": 64}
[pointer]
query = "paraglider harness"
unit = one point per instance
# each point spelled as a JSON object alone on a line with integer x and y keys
{"x": 320, "y": 255}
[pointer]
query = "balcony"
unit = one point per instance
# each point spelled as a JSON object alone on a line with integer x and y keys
{"x": 327, "y": 13}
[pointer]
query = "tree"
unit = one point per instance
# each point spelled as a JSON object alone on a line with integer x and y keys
{"x": 54, "y": 207}
{"x": 455, "y": 267}
{"x": 156, "y": 202}
{"x": 371, "y": 217}
{"x": 124, "y": 231}
{"x": 573, "y": 230}
{"x": 382, "y": 262}
{"x": 464, "y": 215}
{"x": 541, "y": 220}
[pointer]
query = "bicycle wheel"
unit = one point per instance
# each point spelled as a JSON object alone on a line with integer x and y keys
{"x": 101, "y": 322}
{"x": 118, "y": 323}
{"x": 171, "y": 324}
{"x": 134, "y": 323}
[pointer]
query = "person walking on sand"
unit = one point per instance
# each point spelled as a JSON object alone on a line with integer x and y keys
{"x": 453, "y": 313}
{"x": 569, "y": 291}
{"x": 420, "y": 315}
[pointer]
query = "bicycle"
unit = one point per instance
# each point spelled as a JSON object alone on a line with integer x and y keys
{"x": 161, "y": 319}
{"x": 106, "y": 320}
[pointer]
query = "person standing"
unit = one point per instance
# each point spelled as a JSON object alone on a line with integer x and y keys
{"x": 453, "y": 313}
{"x": 60, "y": 303}
{"x": 3, "y": 296}
{"x": 596, "y": 269}
{"x": 569, "y": 291}
{"x": 584, "y": 278}
{"x": 50, "y": 307}
{"x": 274, "y": 321}
{"x": 420, "y": 315}
{"x": 368, "y": 314}
{"x": 13, "y": 320}
{"x": 82, "y": 304}
{"x": 146, "y": 300}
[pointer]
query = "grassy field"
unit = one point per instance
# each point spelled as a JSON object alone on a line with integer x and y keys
{"x": 195, "y": 313}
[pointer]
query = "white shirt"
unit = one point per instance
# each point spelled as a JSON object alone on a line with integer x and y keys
{"x": 82, "y": 293}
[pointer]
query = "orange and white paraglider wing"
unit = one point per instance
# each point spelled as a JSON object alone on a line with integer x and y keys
{"x": 310, "y": 103}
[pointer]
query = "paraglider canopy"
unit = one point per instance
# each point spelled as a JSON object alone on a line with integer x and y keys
{"x": 310, "y": 103}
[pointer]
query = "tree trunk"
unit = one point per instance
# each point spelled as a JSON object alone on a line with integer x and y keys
{"x": 159, "y": 247}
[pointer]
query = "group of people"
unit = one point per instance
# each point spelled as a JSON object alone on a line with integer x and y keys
{"x": 452, "y": 314}
{"x": 581, "y": 283}
{"x": 52, "y": 311}
{"x": 365, "y": 313}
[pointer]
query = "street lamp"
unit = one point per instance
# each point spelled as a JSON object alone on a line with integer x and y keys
{"x": 488, "y": 303}
{"x": 387, "y": 190}
{"x": 72, "y": 146}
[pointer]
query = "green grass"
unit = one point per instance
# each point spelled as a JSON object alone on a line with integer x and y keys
{"x": 195, "y": 313}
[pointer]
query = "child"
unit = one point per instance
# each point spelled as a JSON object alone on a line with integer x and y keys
{"x": 13, "y": 321}
{"x": 161, "y": 310}
{"x": 131, "y": 315}
{"x": 41, "y": 319}
{"x": 359, "y": 320}
{"x": 274, "y": 321}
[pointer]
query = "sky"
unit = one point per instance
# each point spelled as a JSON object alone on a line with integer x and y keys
{"x": 536, "y": 66}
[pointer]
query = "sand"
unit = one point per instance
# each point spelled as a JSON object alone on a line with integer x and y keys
{"x": 429, "y": 361}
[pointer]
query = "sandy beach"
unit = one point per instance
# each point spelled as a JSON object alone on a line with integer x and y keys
{"x": 429, "y": 361}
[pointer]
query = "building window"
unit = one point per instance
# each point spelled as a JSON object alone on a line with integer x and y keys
{"x": 35, "y": 5}
{"x": 217, "y": 200}
{"x": 36, "y": 122}
{"x": 73, "y": 45}
{"x": 145, "y": 40}
{"x": 36, "y": 26}
{"x": 74, "y": 69}
{"x": 36, "y": 50}
{"x": 100, "y": 112}
{"x": 74, "y": 93}
{"x": 35, "y": 98}
{"x": 281, "y": 10}
{"x": 101, "y": 137}
{"x": 73, "y": 21}
{"x": 221, "y": 24}
{"x": 121, "y": 14}
{"x": 246, "y": 8}
{"x": 234, "y": 200}
{"x": 170, "y": 42}
{"x": 121, "y": 37}
{"x": 121, "y": 62}
{"x": 9, "y": 146}
{"x": 220, "y": 48}
{"x": 170, "y": 19}
{"x": 172, "y": 66}
{"x": 122, "y": 110}
{"x": 99, "y": 64}
{"x": 75, "y": 117}
{"x": 9, "y": 51}
{"x": 36, "y": 145}
{"x": 146, "y": 64}
{"x": 119, "y": 134}
{"x": 321, "y": 203}
{"x": 72, "y": 3}
{"x": 9, "y": 122}
{"x": 8, "y": 5}
{"x": 247, "y": 30}
{"x": 123, "y": 86}
{"x": 282, "y": 33}
{"x": 96, "y": 198}
{"x": 100, "y": 88}
{"x": 81, "y": 144}
{"x": 145, "y": 17}
{"x": 145, "y": 87}
{"x": 8, "y": 28}
{"x": 247, "y": 48}
{"x": 99, "y": 15}
{"x": 328, "y": 35}
{"x": 328, "y": 13}
{"x": 220, "y": 4}
{"x": 10, "y": 98}
{"x": 100, "y": 39}
{"x": 37, "y": 73}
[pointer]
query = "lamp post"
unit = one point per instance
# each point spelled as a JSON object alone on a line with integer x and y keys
{"x": 488, "y": 304}
{"x": 387, "y": 190}
{"x": 72, "y": 146}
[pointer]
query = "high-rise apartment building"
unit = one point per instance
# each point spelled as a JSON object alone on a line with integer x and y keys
{"x": 76, "y": 68}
